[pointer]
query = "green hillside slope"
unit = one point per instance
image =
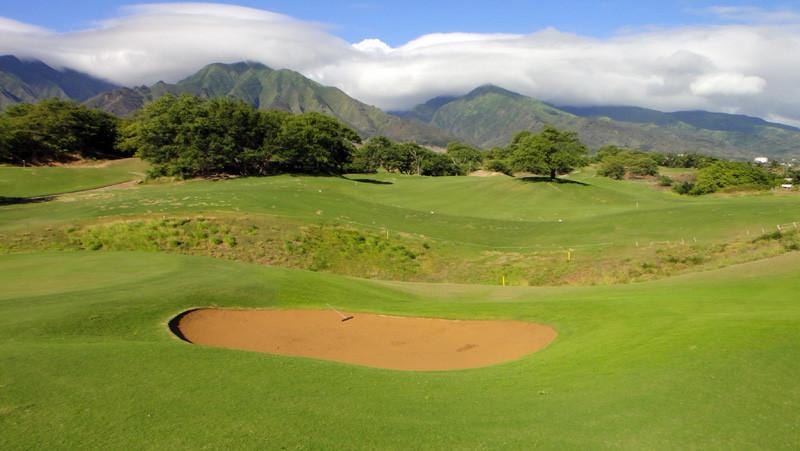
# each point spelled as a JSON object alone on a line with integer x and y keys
{"x": 29, "y": 81}
{"x": 286, "y": 90}
{"x": 489, "y": 116}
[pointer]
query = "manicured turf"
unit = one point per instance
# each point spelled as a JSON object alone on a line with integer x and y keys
{"x": 706, "y": 361}
{"x": 475, "y": 212}
{"x": 702, "y": 361}
{"x": 17, "y": 182}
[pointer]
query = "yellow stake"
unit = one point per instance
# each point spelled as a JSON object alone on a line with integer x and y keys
{"x": 504, "y": 280}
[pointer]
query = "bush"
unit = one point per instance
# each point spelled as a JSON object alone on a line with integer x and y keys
{"x": 731, "y": 175}
{"x": 498, "y": 166}
{"x": 613, "y": 169}
{"x": 683, "y": 188}
{"x": 664, "y": 180}
{"x": 616, "y": 163}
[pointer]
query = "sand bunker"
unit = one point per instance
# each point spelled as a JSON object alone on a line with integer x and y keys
{"x": 400, "y": 343}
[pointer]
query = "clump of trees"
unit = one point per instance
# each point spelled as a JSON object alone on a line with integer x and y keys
{"x": 56, "y": 131}
{"x": 728, "y": 176}
{"x": 618, "y": 163}
{"x": 188, "y": 136}
{"x": 409, "y": 158}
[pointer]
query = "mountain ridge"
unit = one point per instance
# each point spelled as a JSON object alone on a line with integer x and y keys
{"x": 267, "y": 88}
{"x": 24, "y": 81}
{"x": 489, "y": 116}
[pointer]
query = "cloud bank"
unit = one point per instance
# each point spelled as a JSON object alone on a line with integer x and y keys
{"x": 746, "y": 65}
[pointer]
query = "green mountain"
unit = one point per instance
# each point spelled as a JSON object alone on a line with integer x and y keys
{"x": 697, "y": 118}
{"x": 489, "y": 116}
{"x": 29, "y": 81}
{"x": 285, "y": 90}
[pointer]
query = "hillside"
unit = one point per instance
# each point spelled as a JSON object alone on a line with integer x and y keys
{"x": 489, "y": 116}
{"x": 266, "y": 88}
{"x": 29, "y": 81}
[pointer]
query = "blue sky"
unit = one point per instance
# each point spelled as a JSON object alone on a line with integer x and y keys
{"x": 396, "y": 22}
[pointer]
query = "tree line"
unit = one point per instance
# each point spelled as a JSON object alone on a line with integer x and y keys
{"x": 189, "y": 136}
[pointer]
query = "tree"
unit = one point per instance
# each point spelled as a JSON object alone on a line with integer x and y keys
{"x": 466, "y": 158}
{"x": 5, "y": 142}
{"x": 315, "y": 143}
{"x": 56, "y": 130}
{"x": 369, "y": 157}
{"x": 188, "y": 136}
{"x": 437, "y": 164}
{"x": 551, "y": 151}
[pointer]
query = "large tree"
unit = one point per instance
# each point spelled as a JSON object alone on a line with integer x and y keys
{"x": 552, "y": 151}
{"x": 466, "y": 158}
{"x": 188, "y": 136}
{"x": 315, "y": 143}
{"x": 56, "y": 130}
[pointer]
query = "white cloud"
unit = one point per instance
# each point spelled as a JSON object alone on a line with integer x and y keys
{"x": 742, "y": 67}
{"x": 727, "y": 84}
{"x": 373, "y": 46}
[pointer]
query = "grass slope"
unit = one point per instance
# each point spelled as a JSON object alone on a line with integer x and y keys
{"x": 489, "y": 212}
{"x": 703, "y": 362}
{"x": 34, "y": 181}
{"x": 448, "y": 229}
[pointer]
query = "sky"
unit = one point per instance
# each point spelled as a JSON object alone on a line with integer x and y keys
{"x": 735, "y": 56}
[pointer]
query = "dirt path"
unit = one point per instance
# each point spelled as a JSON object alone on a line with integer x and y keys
{"x": 400, "y": 343}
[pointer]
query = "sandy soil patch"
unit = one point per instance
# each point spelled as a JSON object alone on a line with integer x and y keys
{"x": 400, "y": 343}
{"x": 485, "y": 173}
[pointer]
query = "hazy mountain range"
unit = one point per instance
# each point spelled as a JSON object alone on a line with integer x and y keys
{"x": 486, "y": 117}
{"x": 29, "y": 81}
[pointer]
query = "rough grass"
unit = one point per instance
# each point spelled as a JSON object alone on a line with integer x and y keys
{"x": 705, "y": 361}
{"x": 351, "y": 251}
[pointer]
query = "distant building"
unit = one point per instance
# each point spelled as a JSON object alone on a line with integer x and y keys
{"x": 787, "y": 186}
{"x": 761, "y": 160}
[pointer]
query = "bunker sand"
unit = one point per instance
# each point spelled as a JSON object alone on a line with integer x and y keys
{"x": 393, "y": 342}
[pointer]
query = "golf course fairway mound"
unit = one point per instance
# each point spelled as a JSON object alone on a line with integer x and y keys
{"x": 392, "y": 342}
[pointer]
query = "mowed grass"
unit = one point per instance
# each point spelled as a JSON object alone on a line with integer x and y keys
{"x": 19, "y": 182}
{"x": 596, "y": 214}
{"x": 705, "y": 361}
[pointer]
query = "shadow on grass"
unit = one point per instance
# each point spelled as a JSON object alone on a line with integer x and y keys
{"x": 370, "y": 181}
{"x": 24, "y": 200}
{"x": 537, "y": 179}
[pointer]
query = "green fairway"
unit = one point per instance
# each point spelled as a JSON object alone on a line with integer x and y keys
{"x": 489, "y": 212}
{"x": 459, "y": 229}
{"x": 702, "y": 361}
{"x": 19, "y": 182}
{"x": 706, "y": 359}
